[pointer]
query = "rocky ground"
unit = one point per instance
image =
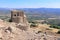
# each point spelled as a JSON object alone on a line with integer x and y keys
{"x": 13, "y": 31}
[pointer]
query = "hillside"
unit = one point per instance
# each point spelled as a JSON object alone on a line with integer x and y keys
{"x": 33, "y": 13}
{"x": 10, "y": 31}
{"x": 14, "y": 31}
{"x": 55, "y": 11}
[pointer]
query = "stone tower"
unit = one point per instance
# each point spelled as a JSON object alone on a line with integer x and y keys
{"x": 18, "y": 16}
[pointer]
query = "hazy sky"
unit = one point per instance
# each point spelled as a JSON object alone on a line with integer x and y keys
{"x": 30, "y": 3}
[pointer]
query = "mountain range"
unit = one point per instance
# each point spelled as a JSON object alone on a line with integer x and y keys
{"x": 34, "y": 11}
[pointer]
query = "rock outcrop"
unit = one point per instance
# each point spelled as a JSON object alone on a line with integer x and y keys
{"x": 10, "y": 31}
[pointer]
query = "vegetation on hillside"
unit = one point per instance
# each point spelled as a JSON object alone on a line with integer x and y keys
{"x": 37, "y": 14}
{"x": 54, "y": 23}
{"x": 58, "y": 32}
{"x": 33, "y": 24}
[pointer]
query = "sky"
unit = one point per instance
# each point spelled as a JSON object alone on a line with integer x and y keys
{"x": 29, "y": 3}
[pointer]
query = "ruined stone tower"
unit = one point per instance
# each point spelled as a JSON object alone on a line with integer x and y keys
{"x": 18, "y": 16}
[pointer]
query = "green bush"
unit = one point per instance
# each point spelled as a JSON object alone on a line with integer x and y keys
{"x": 55, "y": 26}
{"x": 58, "y": 32}
{"x": 10, "y": 20}
{"x": 33, "y": 25}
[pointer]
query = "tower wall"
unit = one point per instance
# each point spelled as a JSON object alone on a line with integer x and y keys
{"x": 17, "y": 16}
{"x": 20, "y": 18}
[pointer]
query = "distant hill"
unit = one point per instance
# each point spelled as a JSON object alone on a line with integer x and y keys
{"x": 4, "y": 11}
{"x": 34, "y": 11}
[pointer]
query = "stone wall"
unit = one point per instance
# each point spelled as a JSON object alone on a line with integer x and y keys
{"x": 17, "y": 16}
{"x": 20, "y": 18}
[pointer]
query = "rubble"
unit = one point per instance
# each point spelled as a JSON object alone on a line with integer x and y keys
{"x": 10, "y": 31}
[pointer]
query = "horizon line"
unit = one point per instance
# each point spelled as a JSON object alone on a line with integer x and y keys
{"x": 21, "y": 8}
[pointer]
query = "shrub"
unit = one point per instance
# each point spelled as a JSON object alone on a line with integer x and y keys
{"x": 58, "y": 32}
{"x": 33, "y": 25}
{"x": 10, "y": 20}
{"x": 55, "y": 26}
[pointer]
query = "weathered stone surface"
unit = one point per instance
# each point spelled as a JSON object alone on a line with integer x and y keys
{"x": 20, "y": 18}
{"x": 10, "y": 32}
